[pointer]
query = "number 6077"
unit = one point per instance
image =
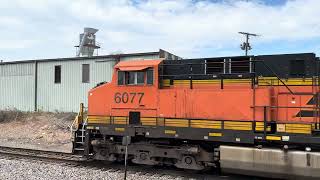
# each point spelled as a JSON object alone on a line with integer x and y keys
{"x": 126, "y": 97}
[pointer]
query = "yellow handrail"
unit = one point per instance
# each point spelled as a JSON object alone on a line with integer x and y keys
{"x": 78, "y": 119}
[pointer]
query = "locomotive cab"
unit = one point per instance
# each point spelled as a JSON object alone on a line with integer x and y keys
{"x": 131, "y": 93}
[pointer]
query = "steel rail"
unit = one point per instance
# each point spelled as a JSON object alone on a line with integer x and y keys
{"x": 40, "y": 153}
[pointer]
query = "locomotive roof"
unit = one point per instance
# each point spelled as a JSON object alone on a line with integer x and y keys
{"x": 311, "y": 56}
{"x": 137, "y": 65}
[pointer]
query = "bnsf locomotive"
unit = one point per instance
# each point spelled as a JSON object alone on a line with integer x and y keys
{"x": 246, "y": 114}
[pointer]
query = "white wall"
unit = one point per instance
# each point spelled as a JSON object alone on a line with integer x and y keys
{"x": 67, "y": 95}
{"x": 17, "y": 86}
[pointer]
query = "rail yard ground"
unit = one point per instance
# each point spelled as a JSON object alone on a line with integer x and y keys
{"x": 24, "y": 168}
{"x": 36, "y": 130}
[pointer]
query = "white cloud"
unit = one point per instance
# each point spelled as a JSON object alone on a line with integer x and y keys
{"x": 7, "y": 21}
{"x": 185, "y": 27}
{"x": 17, "y": 44}
{"x": 32, "y": 5}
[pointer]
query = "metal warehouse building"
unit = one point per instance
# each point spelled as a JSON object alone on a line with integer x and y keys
{"x": 59, "y": 84}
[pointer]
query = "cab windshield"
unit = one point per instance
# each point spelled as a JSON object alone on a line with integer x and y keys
{"x": 143, "y": 77}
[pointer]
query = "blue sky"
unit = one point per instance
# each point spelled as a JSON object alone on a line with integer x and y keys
{"x": 38, "y": 29}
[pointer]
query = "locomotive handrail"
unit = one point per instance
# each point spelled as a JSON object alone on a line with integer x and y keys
{"x": 270, "y": 69}
{"x": 204, "y": 63}
{"x": 224, "y": 62}
{"x": 78, "y": 119}
{"x": 306, "y": 107}
{"x": 221, "y": 74}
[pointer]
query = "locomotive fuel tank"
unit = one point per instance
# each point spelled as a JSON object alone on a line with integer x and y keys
{"x": 270, "y": 162}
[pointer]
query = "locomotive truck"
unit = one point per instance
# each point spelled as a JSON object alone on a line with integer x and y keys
{"x": 256, "y": 115}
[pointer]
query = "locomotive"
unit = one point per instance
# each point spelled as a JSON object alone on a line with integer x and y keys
{"x": 241, "y": 114}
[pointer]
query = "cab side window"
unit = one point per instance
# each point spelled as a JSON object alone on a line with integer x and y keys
{"x": 131, "y": 77}
{"x": 140, "y": 77}
{"x": 150, "y": 76}
{"x": 121, "y": 77}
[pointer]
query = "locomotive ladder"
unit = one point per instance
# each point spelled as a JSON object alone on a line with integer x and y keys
{"x": 79, "y": 132}
{"x": 80, "y": 139}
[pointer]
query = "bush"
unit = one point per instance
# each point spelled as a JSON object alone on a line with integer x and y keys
{"x": 9, "y": 115}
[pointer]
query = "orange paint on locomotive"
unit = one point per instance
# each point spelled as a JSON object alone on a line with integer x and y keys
{"x": 203, "y": 101}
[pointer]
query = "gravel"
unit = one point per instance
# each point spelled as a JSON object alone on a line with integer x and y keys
{"x": 25, "y": 169}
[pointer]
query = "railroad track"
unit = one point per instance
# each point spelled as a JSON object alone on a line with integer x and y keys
{"x": 33, "y": 153}
{"x": 70, "y": 160}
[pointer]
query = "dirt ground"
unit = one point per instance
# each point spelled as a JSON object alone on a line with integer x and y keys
{"x": 37, "y": 130}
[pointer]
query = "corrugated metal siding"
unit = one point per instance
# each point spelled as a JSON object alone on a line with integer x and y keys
{"x": 17, "y": 86}
{"x": 102, "y": 71}
{"x": 67, "y": 95}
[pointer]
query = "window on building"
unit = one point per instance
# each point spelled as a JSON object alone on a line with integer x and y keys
{"x": 121, "y": 77}
{"x": 57, "y": 74}
{"x": 297, "y": 68}
{"x": 85, "y": 73}
{"x": 150, "y": 76}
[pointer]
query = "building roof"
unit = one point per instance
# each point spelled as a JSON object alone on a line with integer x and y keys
{"x": 115, "y": 56}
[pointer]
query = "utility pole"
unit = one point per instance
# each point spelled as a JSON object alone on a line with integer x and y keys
{"x": 126, "y": 140}
{"x": 126, "y": 163}
{"x": 246, "y": 45}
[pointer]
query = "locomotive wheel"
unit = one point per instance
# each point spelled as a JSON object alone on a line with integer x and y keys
{"x": 143, "y": 156}
{"x": 189, "y": 162}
